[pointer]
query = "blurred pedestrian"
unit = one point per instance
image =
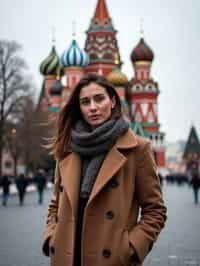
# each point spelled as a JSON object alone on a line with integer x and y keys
{"x": 195, "y": 182}
{"x": 21, "y": 184}
{"x": 40, "y": 181}
{"x": 104, "y": 174}
{"x": 5, "y": 184}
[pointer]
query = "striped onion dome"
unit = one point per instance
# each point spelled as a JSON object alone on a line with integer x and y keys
{"x": 51, "y": 64}
{"x": 74, "y": 56}
{"x": 142, "y": 52}
{"x": 56, "y": 88}
{"x": 117, "y": 78}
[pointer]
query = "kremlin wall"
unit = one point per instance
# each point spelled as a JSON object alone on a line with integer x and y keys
{"x": 101, "y": 55}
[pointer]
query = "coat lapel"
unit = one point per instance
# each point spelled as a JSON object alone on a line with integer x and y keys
{"x": 70, "y": 170}
{"x": 113, "y": 162}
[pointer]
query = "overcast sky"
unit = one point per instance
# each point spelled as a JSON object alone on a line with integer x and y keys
{"x": 171, "y": 29}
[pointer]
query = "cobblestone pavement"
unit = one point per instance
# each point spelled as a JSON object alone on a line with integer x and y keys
{"x": 21, "y": 231}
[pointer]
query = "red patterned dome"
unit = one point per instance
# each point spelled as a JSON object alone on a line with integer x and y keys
{"x": 142, "y": 52}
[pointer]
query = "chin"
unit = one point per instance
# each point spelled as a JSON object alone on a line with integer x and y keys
{"x": 96, "y": 123}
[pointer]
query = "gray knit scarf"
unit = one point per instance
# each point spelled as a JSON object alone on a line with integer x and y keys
{"x": 92, "y": 146}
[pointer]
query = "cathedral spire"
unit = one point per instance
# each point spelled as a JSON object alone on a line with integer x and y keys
{"x": 101, "y": 13}
{"x": 101, "y": 42}
{"x": 74, "y": 29}
{"x": 141, "y": 28}
{"x": 53, "y": 34}
{"x": 101, "y": 19}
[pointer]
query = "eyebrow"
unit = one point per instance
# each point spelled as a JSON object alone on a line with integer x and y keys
{"x": 99, "y": 94}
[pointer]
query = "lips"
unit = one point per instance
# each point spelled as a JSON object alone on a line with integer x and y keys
{"x": 94, "y": 117}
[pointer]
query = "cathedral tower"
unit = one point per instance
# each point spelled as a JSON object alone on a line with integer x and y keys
{"x": 143, "y": 97}
{"x": 101, "y": 43}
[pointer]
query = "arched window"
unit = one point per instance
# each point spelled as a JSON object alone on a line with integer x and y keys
{"x": 137, "y": 88}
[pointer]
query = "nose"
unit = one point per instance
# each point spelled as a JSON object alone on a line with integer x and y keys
{"x": 93, "y": 106}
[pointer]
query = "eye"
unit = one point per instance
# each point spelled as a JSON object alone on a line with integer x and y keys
{"x": 85, "y": 102}
{"x": 99, "y": 98}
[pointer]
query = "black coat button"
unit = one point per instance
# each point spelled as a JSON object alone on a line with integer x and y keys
{"x": 52, "y": 249}
{"x": 61, "y": 188}
{"x": 106, "y": 253}
{"x": 110, "y": 215}
{"x": 114, "y": 183}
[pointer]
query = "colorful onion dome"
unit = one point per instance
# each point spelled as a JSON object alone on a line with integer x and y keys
{"x": 74, "y": 56}
{"x": 56, "y": 89}
{"x": 117, "y": 78}
{"x": 142, "y": 52}
{"x": 51, "y": 64}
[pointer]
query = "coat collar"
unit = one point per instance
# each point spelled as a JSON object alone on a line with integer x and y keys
{"x": 70, "y": 169}
{"x": 127, "y": 140}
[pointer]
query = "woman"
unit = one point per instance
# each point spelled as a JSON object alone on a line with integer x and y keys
{"x": 104, "y": 174}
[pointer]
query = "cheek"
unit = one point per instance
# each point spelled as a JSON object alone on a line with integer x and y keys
{"x": 84, "y": 111}
{"x": 107, "y": 109}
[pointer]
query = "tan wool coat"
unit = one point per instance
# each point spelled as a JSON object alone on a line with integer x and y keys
{"x": 127, "y": 181}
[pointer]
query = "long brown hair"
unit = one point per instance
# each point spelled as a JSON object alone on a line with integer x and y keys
{"x": 71, "y": 113}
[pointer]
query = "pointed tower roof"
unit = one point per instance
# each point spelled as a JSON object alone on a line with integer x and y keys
{"x": 101, "y": 18}
{"x": 101, "y": 12}
{"x": 192, "y": 147}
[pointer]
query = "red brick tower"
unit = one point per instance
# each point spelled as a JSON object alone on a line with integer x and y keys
{"x": 101, "y": 43}
{"x": 143, "y": 97}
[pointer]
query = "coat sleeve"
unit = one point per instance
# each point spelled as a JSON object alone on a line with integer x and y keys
{"x": 52, "y": 213}
{"x": 149, "y": 196}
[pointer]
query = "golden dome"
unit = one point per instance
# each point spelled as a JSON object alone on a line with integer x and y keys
{"x": 117, "y": 78}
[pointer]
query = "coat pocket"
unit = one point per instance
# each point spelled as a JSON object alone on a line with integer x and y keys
{"x": 125, "y": 249}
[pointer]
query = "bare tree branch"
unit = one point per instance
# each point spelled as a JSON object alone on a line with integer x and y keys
{"x": 13, "y": 85}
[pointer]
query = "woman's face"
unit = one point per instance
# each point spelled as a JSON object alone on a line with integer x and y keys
{"x": 95, "y": 104}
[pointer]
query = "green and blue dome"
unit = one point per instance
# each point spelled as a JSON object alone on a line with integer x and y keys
{"x": 51, "y": 64}
{"x": 74, "y": 56}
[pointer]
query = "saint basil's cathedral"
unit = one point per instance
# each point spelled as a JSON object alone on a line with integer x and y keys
{"x": 101, "y": 55}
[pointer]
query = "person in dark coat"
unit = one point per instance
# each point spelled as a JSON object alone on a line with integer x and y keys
{"x": 40, "y": 181}
{"x": 21, "y": 184}
{"x": 5, "y": 184}
{"x": 195, "y": 182}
